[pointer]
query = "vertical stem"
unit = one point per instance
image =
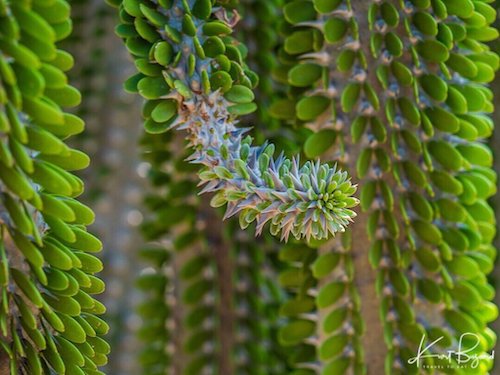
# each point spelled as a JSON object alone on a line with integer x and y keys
{"x": 364, "y": 279}
{"x": 224, "y": 278}
{"x": 373, "y": 343}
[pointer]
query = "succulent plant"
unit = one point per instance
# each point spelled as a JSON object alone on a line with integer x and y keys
{"x": 48, "y": 318}
{"x": 396, "y": 92}
{"x": 204, "y": 285}
{"x": 392, "y": 92}
{"x": 202, "y": 85}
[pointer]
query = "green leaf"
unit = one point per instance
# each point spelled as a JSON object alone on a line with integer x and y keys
{"x": 311, "y": 107}
{"x": 456, "y": 101}
{"x": 433, "y": 51}
{"x": 153, "y": 87}
{"x": 451, "y": 210}
{"x": 74, "y": 160}
{"x": 240, "y": 94}
{"x": 446, "y": 182}
{"x": 335, "y": 319}
{"x": 446, "y": 154}
{"x": 333, "y": 346}
{"x": 462, "y": 65}
{"x": 164, "y": 111}
{"x": 338, "y": 366}
{"x": 326, "y": 6}
{"x": 409, "y": 110}
{"x": 460, "y": 8}
{"x": 394, "y": 44}
{"x": 334, "y": 29}
{"x": 464, "y": 266}
{"x": 363, "y": 162}
{"x": 421, "y": 206}
{"x": 345, "y": 60}
{"x": 350, "y": 96}
{"x": 214, "y": 28}
{"x": 318, "y": 143}
{"x": 476, "y": 153}
{"x": 300, "y": 42}
{"x": 297, "y": 306}
{"x": 325, "y": 264}
{"x": 202, "y": 9}
{"x": 430, "y": 290}
{"x": 402, "y": 73}
{"x": 390, "y": 14}
{"x": 460, "y": 321}
{"x": 296, "y": 331}
{"x": 466, "y": 295}
{"x": 305, "y": 74}
{"x": 299, "y": 11}
{"x": 428, "y": 259}
{"x": 434, "y": 86}
{"x": 367, "y": 195}
{"x": 242, "y": 109}
{"x": 154, "y": 127}
{"x": 28, "y": 287}
{"x": 214, "y": 46}
{"x": 329, "y": 294}
{"x": 428, "y": 232}
{"x": 425, "y": 23}
{"x": 163, "y": 53}
{"x": 442, "y": 119}
{"x": 221, "y": 80}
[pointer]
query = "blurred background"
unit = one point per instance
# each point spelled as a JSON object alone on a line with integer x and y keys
{"x": 114, "y": 187}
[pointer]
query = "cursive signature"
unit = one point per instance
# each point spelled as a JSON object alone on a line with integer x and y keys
{"x": 461, "y": 355}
